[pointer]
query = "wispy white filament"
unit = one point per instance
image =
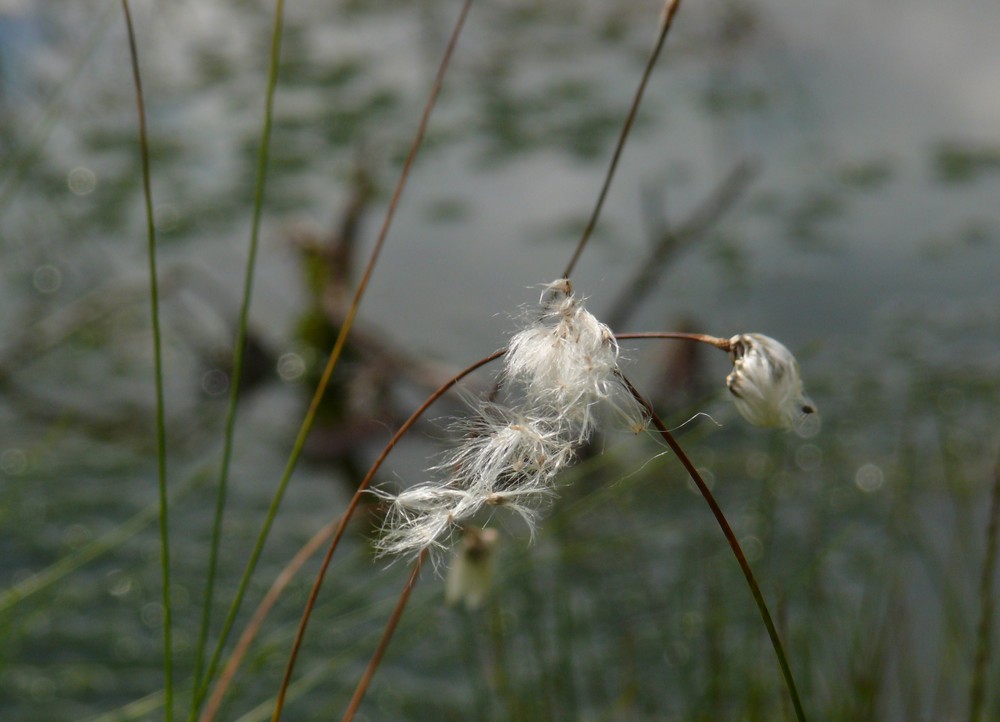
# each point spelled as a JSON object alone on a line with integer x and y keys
{"x": 558, "y": 369}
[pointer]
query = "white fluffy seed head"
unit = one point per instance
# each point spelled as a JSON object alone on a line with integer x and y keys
{"x": 505, "y": 449}
{"x": 566, "y": 361}
{"x": 422, "y": 517}
{"x": 766, "y": 384}
{"x": 561, "y": 366}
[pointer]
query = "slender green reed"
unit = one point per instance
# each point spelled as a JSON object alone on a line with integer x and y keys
{"x": 161, "y": 434}
{"x": 203, "y": 677}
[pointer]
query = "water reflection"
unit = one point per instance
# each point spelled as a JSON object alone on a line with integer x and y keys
{"x": 866, "y": 241}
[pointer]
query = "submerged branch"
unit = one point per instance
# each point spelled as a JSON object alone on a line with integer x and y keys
{"x": 671, "y": 241}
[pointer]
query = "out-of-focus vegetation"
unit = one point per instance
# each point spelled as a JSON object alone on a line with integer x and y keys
{"x": 869, "y": 537}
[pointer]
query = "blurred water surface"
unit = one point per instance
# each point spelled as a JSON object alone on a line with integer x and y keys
{"x": 864, "y": 236}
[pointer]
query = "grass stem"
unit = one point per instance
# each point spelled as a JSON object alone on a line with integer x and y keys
{"x": 202, "y": 677}
{"x": 720, "y": 343}
{"x": 161, "y": 434}
{"x": 279, "y": 585}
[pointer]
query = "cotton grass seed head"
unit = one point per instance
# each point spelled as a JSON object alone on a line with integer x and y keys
{"x": 765, "y": 382}
{"x": 503, "y": 446}
{"x": 565, "y": 361}
{"x": 422, "y": 517}
{"x": 559, "y": 368}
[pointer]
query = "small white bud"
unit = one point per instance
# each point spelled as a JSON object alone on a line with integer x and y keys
{"x": 765, "y": 382}
{"x": 470, "y": 575}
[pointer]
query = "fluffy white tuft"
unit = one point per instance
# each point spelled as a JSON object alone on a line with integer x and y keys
{"x": 765, "y": 382}
{"x": 559, "y": 369}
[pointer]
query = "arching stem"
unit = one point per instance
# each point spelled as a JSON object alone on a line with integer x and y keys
{"x": 720, "y": 343}
{"x": 342, "y": 525}
{"x": 734, "y": 544}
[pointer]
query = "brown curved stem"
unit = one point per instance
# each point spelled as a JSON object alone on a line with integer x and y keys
{"x": 734, "y": 544}
{"x": 342, "y": 524}
{"x": 721, "y": 343}
{"x": 383, "y": 644}
{"x": 263, "y": 609}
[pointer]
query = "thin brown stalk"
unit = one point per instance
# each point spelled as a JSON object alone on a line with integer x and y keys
{"x": 342, "y": 524}
{"x": 390, "y": 212}
{"x": 666, "y": 20}
{"x": 977, "y": 692}
{"x": 733, "y": 544}
{"x": 383, "y": 644}
{"x": 721, "y": 343}
{"x": 256, "y": 621}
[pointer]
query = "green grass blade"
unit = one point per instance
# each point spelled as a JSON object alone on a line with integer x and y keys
{"x": 113, "y": 539}
{"x": 203, "y": 676}
{"x": 201, "y": 688}
{"x": 161, "y": 436}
